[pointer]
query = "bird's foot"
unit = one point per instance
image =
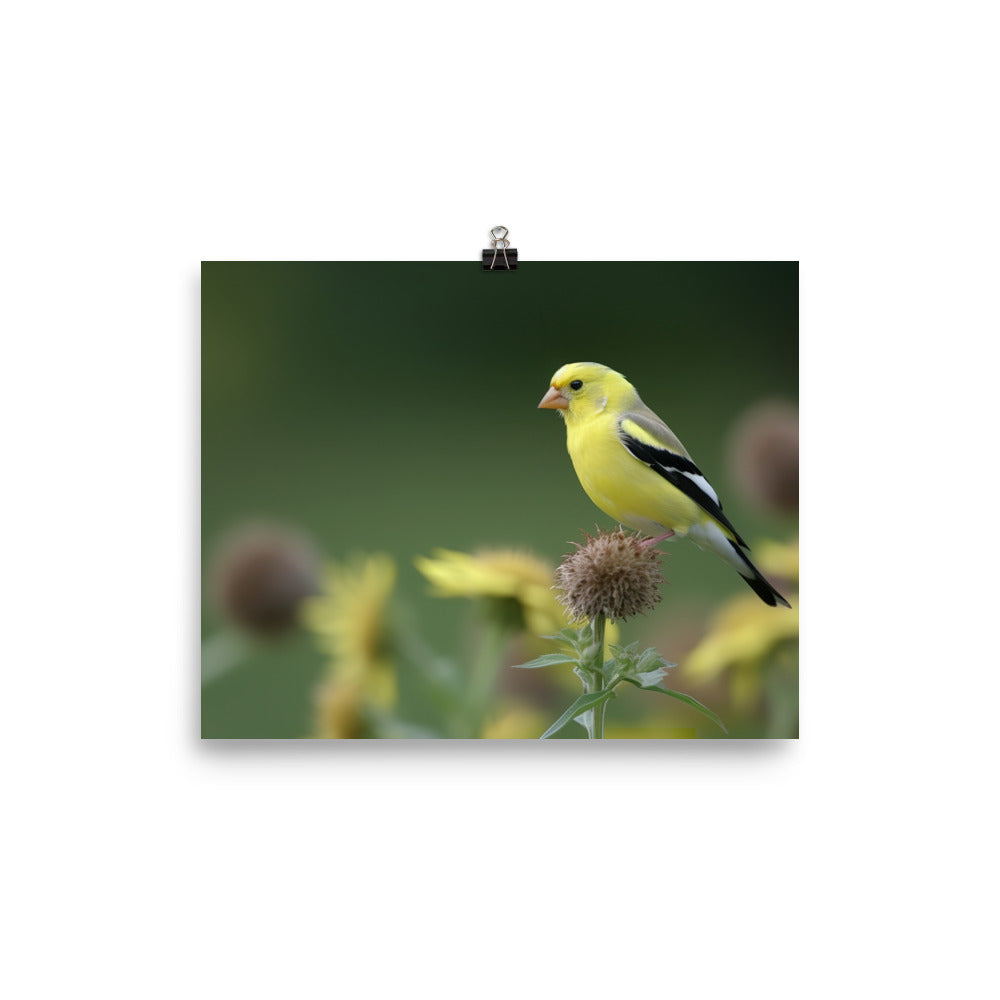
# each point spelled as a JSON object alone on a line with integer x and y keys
{"x": 654, "y": 541}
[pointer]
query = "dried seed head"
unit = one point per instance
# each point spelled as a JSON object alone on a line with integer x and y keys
{"x": 764, "y": 455}
{"x": 614, "y": 575}
{"x": 261, "y": 576}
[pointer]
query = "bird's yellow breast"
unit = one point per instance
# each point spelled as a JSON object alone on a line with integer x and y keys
{"x": 623, "y": 487}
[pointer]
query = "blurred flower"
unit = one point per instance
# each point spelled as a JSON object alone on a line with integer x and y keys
{"x": 338, "y": 708}
{"x": 515, "y": 722}
{"x": 646, "y": 731}
{"x": 261, "y": 575}
{"x": 764, "y": 455}
{"x": 350, "y": 621}
{"x": 517, "y": 585}
{"x": 746, "y": 634}
{"x": 613, "y": 574}
{"x": 779, "y": 559}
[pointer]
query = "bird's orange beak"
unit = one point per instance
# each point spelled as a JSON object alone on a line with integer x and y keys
{"x": 554, "y": 400}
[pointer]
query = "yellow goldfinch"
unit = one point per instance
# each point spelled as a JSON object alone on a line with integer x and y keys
{"x": 634, "y": 468}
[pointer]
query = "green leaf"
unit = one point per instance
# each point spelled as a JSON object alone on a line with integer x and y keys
{"x": 629, "y": 662}
{"x": 651, "y": 678}
{"x": 649, "y": 660}
{"x": 570, "y": 635}
{"x": 644, "y": 669}
{"x": 547, "y": 660}
{"x": 686, "y": 698}
{"x": 578, "y": 707}
{"x": 626, "y": 652}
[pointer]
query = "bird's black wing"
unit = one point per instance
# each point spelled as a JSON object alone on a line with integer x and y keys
{"x": 676, "y": 469}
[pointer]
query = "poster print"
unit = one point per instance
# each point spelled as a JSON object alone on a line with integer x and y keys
{"x": 448, "y": 504}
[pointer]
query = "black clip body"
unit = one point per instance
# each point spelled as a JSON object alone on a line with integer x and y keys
{"x": 502, "y": 257}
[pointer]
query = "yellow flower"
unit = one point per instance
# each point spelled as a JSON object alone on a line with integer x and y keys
{"x": 518, "y": 581}
{"x": 349, "y": 620}
{"x": 338, "y": 708}
{"x": 780, "y": 559}
{"x": 743, "y": 631}
{"x": 515, "y": 722}
{"x": 745, "y": 634}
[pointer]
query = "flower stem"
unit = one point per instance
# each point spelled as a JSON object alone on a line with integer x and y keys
{"x": 220, "y": 653}
{"x": 484, "y": 675}
{"x": 595, "y": 680}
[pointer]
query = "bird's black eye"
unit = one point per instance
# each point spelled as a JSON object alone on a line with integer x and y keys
{"x": 576, "y": 384}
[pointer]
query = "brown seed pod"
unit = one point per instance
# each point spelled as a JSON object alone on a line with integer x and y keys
{"x": 613, "y": 574}
{"x": 764, "y": 456}
{"x": 261, "y": 575}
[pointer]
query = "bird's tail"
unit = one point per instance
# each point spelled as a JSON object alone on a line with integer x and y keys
{"x": 755, "y": 579}
{"x": 709, "y": 535}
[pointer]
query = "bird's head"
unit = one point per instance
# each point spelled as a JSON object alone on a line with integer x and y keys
{"x": 584, "y": 389}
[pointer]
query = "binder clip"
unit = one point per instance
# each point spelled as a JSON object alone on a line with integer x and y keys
{"x": 500, "y": 258}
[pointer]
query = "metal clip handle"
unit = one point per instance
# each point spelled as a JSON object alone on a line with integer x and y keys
{"x": 499, "y": 234}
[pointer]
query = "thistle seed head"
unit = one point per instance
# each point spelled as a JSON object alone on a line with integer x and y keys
{"x": 764, "y": 456}
{"x": 261, "y": 575}
{"x": 613, "y": 574}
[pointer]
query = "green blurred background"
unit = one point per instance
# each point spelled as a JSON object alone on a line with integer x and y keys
{"x": 392, "y": 407}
